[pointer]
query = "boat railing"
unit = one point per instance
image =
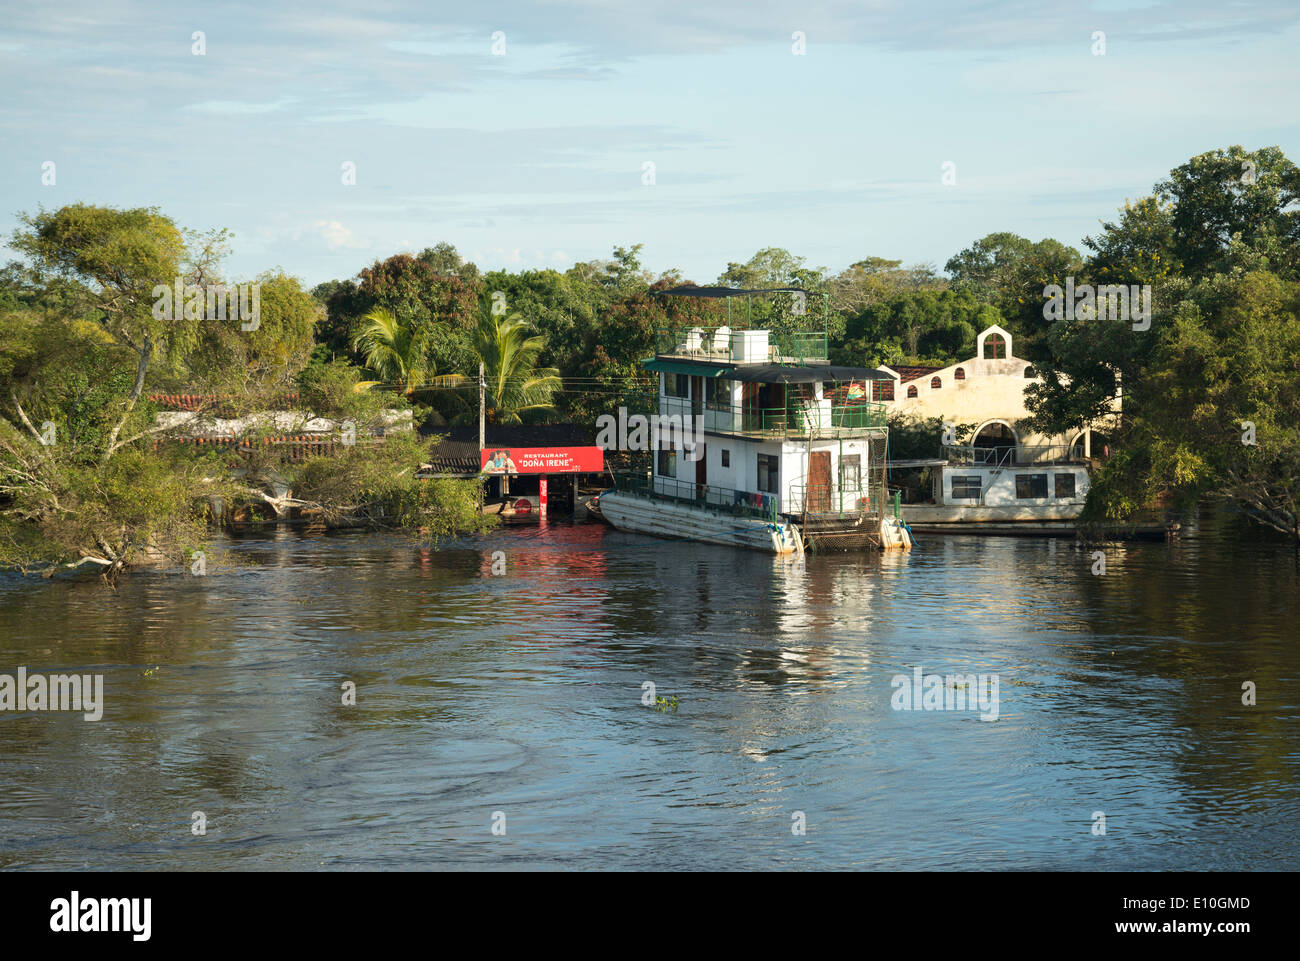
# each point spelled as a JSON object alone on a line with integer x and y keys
{"x": 799, "y": 419}
{"x": 722, "y": 500}
{"x": 1021, "y": 455}
{"x": 831, "y": 500}
{"x": 715, "y": 343}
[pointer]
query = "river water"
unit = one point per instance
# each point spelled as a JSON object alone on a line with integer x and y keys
{"x": 515, "y": 701}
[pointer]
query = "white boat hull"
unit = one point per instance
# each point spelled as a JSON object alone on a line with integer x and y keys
{"x": 666, "y": 518}
{"x": 1010, "y": 519}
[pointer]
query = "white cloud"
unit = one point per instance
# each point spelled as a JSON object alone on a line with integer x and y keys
{"x": 337, "y": 236}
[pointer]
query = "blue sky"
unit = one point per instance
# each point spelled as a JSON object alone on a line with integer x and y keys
{"x": 535, "y": 158}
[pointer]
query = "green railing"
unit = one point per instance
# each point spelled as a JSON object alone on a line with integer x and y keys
{"x": 801, "y": 347}
{"x": 797, "y": 420}
{"x": 721, "y": 500}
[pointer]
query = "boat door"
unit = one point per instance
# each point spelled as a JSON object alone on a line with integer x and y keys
{"x": 819, "y": 481}
{"x": 751, "y": 419}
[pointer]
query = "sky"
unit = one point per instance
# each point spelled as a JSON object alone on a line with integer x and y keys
{"x": 521, "y": 132}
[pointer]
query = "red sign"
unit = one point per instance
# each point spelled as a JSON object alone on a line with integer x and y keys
{"x": 541, "y": 460}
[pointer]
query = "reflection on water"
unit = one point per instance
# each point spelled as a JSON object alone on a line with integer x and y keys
{"x": 522, "y": 693}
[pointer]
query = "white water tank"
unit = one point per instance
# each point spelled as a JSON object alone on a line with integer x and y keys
{"x": 749, "y": 346}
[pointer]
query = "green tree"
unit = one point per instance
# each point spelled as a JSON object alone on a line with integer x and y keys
{"x": 516, "y": 384}
{"x": 396, "y": 353}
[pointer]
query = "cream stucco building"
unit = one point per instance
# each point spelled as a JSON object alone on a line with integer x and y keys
{"x": 987, "y": 390}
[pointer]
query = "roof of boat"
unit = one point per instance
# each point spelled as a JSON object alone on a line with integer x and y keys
{"x": 763, "y": 373}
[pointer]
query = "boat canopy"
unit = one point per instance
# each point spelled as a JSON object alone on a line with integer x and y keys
{"x": 811, "y": 374}
{"x": 694, "y": 368}
{"x": 692, "y": 291}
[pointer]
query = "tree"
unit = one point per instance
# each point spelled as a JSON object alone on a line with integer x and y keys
{"x": 1220, "y": 411}
{"x": 1216, "y": 353}
{"x": 1235, "y": 193}
{"x": 86, "y": 474}
{"x": 1008, "y": 272}
{"x": 121, "y": 257}
{"x": 516, "y": 385}
{"x": 922, "y": 326}
{"x": 396, "y": 353}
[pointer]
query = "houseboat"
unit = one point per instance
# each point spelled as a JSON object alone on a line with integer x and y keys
{"x": 775, "y": 450}
{"x": 994, "y": 490}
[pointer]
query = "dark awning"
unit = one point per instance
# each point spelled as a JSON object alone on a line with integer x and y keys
{"x": 723, "y": 291}
{"x": 812, "y": 374}
{"x": 693, "y": 367}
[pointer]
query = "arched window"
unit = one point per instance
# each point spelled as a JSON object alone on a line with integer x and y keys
{"x": 935, "y": 383}
{"x": 959, "y": 374}
{"x": 995, "y": 347}
{"x": 1029, "y": 372}
{"x": 911, "y": 391}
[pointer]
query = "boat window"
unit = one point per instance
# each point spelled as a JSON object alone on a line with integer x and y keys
{"x": 1030, "y": 486}
{"x": 966, "y": 486}
{"x": 726, "y": 458}
{"x": 1065, "y": 486}
{"x": 769, "y": 473}
{"x": 851, "y": 473}
{"x": 668, "y": 463}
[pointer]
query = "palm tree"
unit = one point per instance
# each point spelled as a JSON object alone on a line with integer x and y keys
{"x": 514, "y": 381}
{"x": 395, "y": 352}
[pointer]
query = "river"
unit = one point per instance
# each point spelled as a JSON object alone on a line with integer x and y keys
{"x": 514, "y": 701}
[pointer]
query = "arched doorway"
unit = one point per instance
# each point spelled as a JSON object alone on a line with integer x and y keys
{"x": 997, "y": 437}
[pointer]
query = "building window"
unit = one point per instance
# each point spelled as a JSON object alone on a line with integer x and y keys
{"x": 995, "y": 347}
{"x": 1029, "y": 372}
{"x": 851, "y": 473}
{"x": 668, "y": 463}
{"x": 935, "y": 383}
{"x": 726, "y": 458}
{"x": 769, "y": 473}
{"x": 959, "y": 374}
{"x": 911, "y": 391}
{"x": 1031, "y": 486}
{"x": 676, "y": 385}
{"x": 1065, "y": 486}
{"x": 966, "y": 487}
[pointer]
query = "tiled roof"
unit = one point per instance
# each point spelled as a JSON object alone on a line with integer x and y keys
{"x": 907, "y": 374}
